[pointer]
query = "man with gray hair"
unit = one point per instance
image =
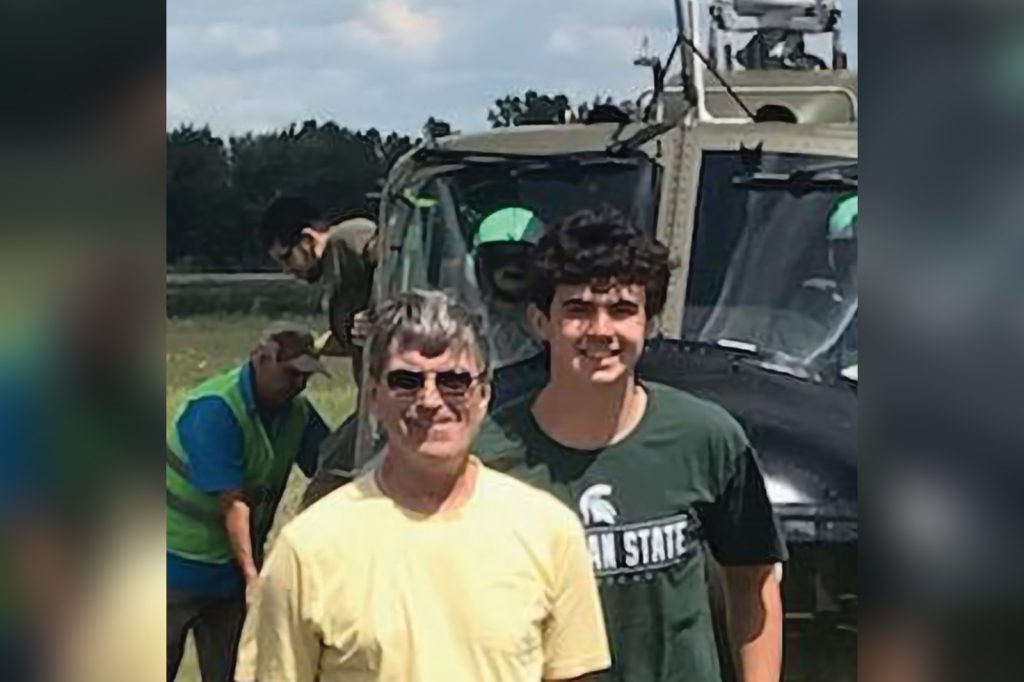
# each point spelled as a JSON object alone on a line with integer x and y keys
{"x": 430, "y": 566}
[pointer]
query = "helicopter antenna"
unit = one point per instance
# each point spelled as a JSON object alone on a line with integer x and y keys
{"x": 658, "y": 71}
{"x": 429, "y": 140}
{"x": 714, "y": 70}
{"x": 680, "y": 33}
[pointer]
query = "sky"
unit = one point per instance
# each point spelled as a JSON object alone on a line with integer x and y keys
{"x": 257, "y": 65}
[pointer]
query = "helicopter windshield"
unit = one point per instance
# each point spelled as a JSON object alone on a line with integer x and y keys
{"x": 774, "y": 260}
{"x": 433, "y": 222}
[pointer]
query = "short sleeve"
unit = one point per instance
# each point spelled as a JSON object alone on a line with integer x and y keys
{"x": 314, "y": 435}
{"x": 741, "y": 526}
{"x": 350, "y": 273}
{"x": 575, "y": 641}
{"x": 278, "y": 642}
{"x": 213, "y": 440}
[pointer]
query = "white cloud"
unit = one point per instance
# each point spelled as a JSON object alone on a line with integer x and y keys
{"x": 245, "y": 41}
{"x": 394, "y": 29}
{"x": 178, "y": 107}
{"x": 180, "y": 39}
{"x": 390, "y": 64}
{"x": 608, "y": 43}
{"x": 231, "y": 38}
{"x": 261, "y": 99}
{"x": 218, "y": 88}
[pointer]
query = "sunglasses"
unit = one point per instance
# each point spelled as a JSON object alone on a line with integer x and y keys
{"x": 281, "y": 253}
{"x": 450, "y": 384}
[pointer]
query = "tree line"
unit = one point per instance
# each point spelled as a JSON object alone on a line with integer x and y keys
{"x": 217, "y": 189}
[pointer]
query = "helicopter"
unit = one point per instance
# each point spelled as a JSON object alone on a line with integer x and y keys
{"x": 742, "y": 159}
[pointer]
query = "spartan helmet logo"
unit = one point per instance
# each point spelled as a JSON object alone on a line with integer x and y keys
{"x": 594, "y": 508}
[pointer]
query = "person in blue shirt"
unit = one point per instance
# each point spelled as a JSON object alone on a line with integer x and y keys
{"x": 230, "y": 451}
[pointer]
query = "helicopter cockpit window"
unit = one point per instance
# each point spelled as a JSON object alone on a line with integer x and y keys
{"x": 774, "y": 260}
{"x": 470, "y": 227}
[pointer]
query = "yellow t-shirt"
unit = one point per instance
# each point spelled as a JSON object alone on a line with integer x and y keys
{"x": 358, "y": 589}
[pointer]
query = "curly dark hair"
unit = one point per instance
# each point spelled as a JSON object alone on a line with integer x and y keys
{"x": 588, "y": 247}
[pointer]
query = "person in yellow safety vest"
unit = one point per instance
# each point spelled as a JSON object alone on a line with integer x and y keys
{"x": 230, "y": 451}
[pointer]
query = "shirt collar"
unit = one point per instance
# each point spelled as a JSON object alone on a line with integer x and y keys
{"x": 247, "y": 384}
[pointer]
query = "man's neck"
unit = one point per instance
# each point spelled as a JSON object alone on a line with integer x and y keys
{"x": 320, "y": 241}
{"x": 589, "y": 417}
{"x": 426, "y": 489}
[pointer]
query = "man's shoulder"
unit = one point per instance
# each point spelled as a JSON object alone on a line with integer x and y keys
{"x": 502, "y": 430}
{"x": 358, "y": 223}
{"x": 206, "y": 413}
{"x": 527, "y": 503}
{"x": 353, "y": 233}
{"x": 208, "y": 402}
{"x": 680, "y": 409}
{"x": 341, "y": 512}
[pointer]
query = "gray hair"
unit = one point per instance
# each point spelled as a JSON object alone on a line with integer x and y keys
{"x": 430, "y": 321}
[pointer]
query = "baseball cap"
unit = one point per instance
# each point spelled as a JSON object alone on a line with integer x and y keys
{"x": 295, "y": 346}
{"x": 842, "y": 220}
{"x": 509, "y": 224}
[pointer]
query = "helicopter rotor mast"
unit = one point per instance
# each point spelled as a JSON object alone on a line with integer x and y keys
{"x": 778, "y": 29}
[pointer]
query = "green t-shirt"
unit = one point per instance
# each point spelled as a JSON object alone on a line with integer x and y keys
{"x": 683, "y": 482}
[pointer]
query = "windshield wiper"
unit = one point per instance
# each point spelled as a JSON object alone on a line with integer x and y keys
{"x": 841, "y": 177}
{"x": 750, "y": 355}
{"x": 638, "y": 139}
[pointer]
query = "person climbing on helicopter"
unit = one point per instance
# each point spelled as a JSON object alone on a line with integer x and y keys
{"x": 342, "y": 257}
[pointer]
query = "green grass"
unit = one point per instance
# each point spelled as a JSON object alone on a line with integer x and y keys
{"x": 240, "y": 295}
{"x": 200, "y": 347}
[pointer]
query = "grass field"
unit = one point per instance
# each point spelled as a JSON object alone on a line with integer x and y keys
{"x": 200, "y": 347}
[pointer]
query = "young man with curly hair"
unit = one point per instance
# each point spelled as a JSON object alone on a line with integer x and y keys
{"x": 660, "y": 478}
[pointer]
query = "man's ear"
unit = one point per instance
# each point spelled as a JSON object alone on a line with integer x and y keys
{"x": 371, "y": 388}
{"x": 486, "y": 392}
{"x": 537, "y": 322}
{"x": 651, "y": 328}
{"x": 264, "y": 353}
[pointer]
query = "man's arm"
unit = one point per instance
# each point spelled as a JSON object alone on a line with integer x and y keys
{"x": 358, "y": 328}
{"x": 236, "y": 521}
{"x": 210, "y": 433}
{"x": 313, "y": 437}
{"x": 280, "y": 641}
{"x": 575, "y": 640}
{"x": 746, "y": 541}
{"x": 754, "y": 609}
{"x": 332, "y": 347}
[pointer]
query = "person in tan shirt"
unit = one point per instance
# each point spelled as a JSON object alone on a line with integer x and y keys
{"x": 342, "y": 257}
{"x": 430, "y": 566}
